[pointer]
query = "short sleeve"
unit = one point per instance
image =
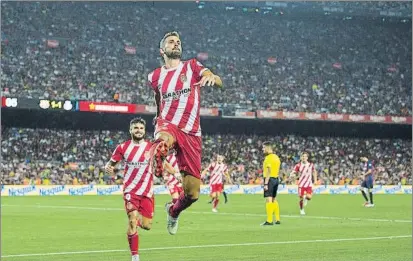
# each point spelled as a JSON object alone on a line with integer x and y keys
{"x": 267, "y": 163}
{"x": 117, "y": 154}
{"x": 198, "y": 69}
{"x": 297, "y": 168}
{"x": 153, "y": 79}
{"x": 211, "y": 167}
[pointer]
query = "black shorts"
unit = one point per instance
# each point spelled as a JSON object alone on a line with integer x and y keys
{"x": 368, "y": 183}
{"x": 272, "y": 188}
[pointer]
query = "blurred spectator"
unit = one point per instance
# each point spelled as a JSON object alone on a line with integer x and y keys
{"x": 103, "y": 51}
{"x": 44, "y": 156}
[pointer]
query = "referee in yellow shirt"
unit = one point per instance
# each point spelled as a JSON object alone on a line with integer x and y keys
{"x": 270, "y": 170}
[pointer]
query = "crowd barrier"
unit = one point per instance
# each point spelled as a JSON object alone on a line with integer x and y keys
{"x": 100, "y": 190}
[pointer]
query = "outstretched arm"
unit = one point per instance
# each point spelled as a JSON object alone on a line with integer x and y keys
{"x": 210, "y": 79}
{"x": 169, "y": 168}
{"x": 315, "y": 176}
{"x": 204, "y": 173}
{"x": 110, "y": 167}
{"x": 228, "y": 177}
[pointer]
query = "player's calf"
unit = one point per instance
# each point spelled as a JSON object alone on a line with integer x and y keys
{"x": 175, "y": 197}
{"x": 301, "y": 202}
{"x": 192, "y": 187}
{"x": 132, "y": 233}
{"x": 225, "y": 196}
{"x": 133, "y": 223}
{"x": 215, "y": 202}
{"x": 306, "y": 199}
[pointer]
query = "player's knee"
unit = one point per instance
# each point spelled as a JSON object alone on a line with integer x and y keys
{"x": 192, "y": 188}
{"x": 147, "y": 225}
{"x": 308, "y": 197}
{"x": 193, "y": 195}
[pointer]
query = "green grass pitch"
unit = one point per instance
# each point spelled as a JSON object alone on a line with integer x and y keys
{"x": 336, "y": 227}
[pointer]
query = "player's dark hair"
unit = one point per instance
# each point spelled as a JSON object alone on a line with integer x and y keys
{"x": 137, "y": 120}
{"x": 267, "y": 144}
{"x": 162, "y": 42}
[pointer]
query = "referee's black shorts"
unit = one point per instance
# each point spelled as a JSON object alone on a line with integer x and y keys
{"x": 272, "y": 188}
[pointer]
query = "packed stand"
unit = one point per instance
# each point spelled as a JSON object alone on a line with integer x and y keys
{"x": 44, "y": 156}
{"x": 347, "y": 66}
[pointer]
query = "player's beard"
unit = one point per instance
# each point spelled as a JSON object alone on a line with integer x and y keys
{"x": 173, "y": 54}
{"x": 136, "y": 138}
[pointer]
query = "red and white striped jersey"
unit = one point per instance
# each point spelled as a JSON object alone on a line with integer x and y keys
{"x": 306, "y": 173}
{"x": 180, "y": 102}
{"x": 171, "y": 159}
{"x": 217, "y": 171}
{"x": 137, "y": 177}
{"x": 171, "y": 180}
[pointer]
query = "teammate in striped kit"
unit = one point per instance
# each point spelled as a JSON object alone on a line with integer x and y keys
{"x": 137, "y": 182}
{"x": 305, "y": 182}
{"x": 177, "y": 87}
{"x": 172, "y": 177}
{"x": 217, "y": 171}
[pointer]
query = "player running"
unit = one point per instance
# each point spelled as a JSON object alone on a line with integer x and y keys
{"x": 137, "y": 182}
{"x": 217, "y": 170}
{"x": 172, "y": 177}
{"x": 270, "y": 170}
{"x": 177, "y": 87}
{"x": 368, "y": 181}
{"x": 305, "y": 183}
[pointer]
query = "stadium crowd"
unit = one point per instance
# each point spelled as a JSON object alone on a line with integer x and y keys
{"x": 347, "y": 66}
{"x": 46, "y": 156}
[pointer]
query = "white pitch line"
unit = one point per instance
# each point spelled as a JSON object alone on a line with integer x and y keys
{"x": 216, "y": 245}
{"x": 223, "y": 213}
{"x": 308, "y": 217}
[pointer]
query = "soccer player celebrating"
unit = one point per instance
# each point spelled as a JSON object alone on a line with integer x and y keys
{"x": 171, "y": 177}
{"x": 137, "y": 182}
{"x": 217, "y": 172}
{"x": 177, "y": 87}
{"x": 305, "y": 183}
{"x": 270, "y": 170}
{"x": 367, "y": 184}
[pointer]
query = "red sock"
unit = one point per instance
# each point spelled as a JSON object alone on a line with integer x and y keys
{"x": 181, "y": 204}
{"x": 133, "y": 243}
{"x": 301, "y": 204}
{"x": 174, "y": 200}
{"x": 216, "y": 201}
